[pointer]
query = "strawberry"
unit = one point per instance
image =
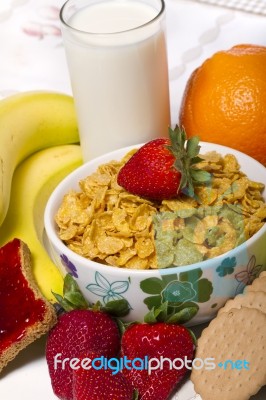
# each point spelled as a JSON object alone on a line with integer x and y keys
{"x": 100, "y": 384}
{"x": 163, "y": 168}
{"x": 75, "y": 333}
{"x": 157, "y": 340}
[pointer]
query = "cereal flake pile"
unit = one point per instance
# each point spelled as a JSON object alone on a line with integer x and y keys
{"x": 106, "y": 224}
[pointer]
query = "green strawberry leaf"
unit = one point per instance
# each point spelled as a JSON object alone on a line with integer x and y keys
{"x": 117, "y": 308}
{"x": 135, "y": 395}
{"x": 157, "y": 314}
{"x": 182, "y": 316}
{"x": 186, "y": 153}
{"x": 193, "y": 336}
{"x": 166, "y": 313}
{"x": 63, "y": 303}
{"x": 150, "y": 317}
{"x": 193, "y": 147}
{"x": 72, "y": 298}
{"x": 70, "y": 285}
{"x": 76, "y": 298}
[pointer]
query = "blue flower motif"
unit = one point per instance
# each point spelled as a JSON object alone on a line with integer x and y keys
{"x": 106, "y": 290}
{"x": 227, "y": 266}
{"x": 69, "y": 266}
{"x": 247, "y": 276}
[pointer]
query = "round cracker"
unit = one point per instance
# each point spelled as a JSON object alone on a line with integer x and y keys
{"x": 250, "y": 299}
{"x": 236, "y": 335}
{"x": 258, "y": 285}
{"x": 262, "y": 274}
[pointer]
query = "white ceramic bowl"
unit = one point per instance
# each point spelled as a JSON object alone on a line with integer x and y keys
{"x": 204, "y": 286}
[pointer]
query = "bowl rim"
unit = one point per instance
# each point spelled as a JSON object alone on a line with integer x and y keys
{"x": 79, "y": 260}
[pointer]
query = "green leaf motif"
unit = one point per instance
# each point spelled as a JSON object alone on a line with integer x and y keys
{"x": 178, "y": 292}
{"x": 204, "y": 289}
{"x": 191, "y": 276}
{"x": 151, "y": 285}
{"x": 153, "y": 301}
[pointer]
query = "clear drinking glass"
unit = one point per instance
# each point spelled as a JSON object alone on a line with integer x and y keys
{"x": 117, "y": 60}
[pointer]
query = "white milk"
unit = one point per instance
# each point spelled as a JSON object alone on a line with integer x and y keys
{"x": 119, "y": 75}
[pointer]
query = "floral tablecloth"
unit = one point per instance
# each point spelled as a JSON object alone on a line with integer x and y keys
{"x": 252, "y": 6}
{"x": 32, "y": 55}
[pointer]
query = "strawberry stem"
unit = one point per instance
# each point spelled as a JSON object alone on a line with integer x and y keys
{"x": 186, "y": 153}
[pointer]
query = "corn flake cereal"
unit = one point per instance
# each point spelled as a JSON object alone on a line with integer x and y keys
{"x": 105, "y": 223}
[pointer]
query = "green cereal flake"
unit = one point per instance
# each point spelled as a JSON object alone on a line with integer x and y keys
{"x": 184, "y": 237}
{"x": 186, "y": 253}
{"x": 213, "y": 236}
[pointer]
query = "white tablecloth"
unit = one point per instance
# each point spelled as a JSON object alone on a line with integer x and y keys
{"x": 32, "y": 58}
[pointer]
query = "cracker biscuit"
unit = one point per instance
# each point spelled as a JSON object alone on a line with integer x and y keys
{"x": 239, "y": 334}
{"x": 258, "y": 285}
{"x": 250, "y": 300}
{"x": 262, "y": 274}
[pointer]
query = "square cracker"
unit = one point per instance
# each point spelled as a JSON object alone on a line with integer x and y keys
{"x": 239, "y": 334}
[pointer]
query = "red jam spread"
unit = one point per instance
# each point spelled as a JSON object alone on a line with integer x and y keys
{"x": 19, "y": 309}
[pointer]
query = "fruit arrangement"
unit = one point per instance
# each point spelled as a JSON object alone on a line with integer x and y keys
{"x": 37, "y": 129}
{"x": 39, "y": 147}
{"x": 30, "y": 122}
{"x": 87, "y": 336}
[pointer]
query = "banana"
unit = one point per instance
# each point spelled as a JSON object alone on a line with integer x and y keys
{"x": 33, "y": 181}
{"x": 31, "y": 121}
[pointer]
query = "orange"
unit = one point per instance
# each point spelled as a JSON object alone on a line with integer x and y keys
{"x": 225, "y": 100}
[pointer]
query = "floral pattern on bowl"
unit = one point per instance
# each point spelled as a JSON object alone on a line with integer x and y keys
{"x": 106, "y": 290}
{"x": 181, "y": 291}
{"x": 69, "y": 266}
{"x": 247, "y": 275}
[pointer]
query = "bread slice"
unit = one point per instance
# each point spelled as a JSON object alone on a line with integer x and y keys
{"x": 25, "y": 314}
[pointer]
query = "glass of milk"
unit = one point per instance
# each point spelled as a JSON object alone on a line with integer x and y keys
{"x": 117, "y": 60}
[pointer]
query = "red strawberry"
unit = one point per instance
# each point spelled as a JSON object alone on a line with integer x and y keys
{"x": 100, "y": 384}
{"x": 155, "y": 341}
{"x": 162, "y": 168}
{"x": 77, "y": 332}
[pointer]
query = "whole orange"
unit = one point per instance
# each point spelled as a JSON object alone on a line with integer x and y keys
{"x": 225, "y": 100}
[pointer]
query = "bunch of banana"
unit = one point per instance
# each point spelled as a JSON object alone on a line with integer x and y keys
{"x": 30, "y": 122}
{"x": 33, "y": 181}
{"x": 42, "y": 125}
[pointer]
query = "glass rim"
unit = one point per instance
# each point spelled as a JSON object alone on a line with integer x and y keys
{"x": 80, "y": 31}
